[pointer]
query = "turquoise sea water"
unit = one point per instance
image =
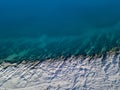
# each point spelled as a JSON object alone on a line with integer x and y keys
{"x": 37, "y": 30}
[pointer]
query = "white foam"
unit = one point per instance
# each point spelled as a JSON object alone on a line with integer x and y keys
{"x": 71, "y": 74}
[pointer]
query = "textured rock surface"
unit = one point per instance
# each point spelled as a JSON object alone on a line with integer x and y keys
{"x": 72, "y": 74}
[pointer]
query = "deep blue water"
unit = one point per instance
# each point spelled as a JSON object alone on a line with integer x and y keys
{"x": 52, "y": 28}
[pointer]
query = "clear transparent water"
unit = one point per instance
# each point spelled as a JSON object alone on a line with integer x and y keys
{"x": 37, "y": 30}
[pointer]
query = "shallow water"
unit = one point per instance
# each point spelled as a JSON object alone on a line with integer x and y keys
{"x": 36, "y": 30}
